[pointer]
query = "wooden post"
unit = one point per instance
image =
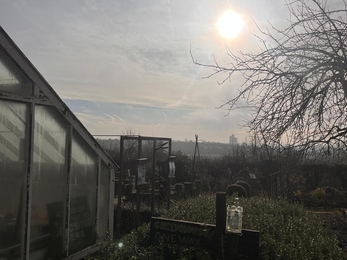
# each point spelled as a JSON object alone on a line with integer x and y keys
{"x": 220, "y": 225}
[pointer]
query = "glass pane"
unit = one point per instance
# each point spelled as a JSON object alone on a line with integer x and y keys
{"x": 83, "y": 196}
{"x": 12, "y": 176}
{"x": 11, "y": 77}
{"x": 48, "y": 185}
{"x": 103, "y": 205}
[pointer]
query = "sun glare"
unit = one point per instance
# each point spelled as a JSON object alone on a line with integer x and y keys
{"x": 230, "y": 25}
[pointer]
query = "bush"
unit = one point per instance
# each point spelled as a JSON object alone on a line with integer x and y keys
{"x": 196, "y": 209}
{"x": 288, "y": 231}
{"x": 297, "y": 194}
{"x": 235, "y": 188}
{"x": 318, "y": 193}
{"x": 246, "y": 186}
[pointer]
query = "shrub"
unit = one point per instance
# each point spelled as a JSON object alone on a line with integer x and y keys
{"x": 297, "y": 194}
{"x": 288, "y": 231}
{"x": 246, "y": 186}
{"x": 235, "y": 188}
{"x": 196, "y": 209}
{"x": 318, "y": 193}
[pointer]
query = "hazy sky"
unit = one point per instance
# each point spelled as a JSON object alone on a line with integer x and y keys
{"x": 125, "y": 64}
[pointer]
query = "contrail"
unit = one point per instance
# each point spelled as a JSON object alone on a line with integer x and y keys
{"x": 170, "y": 17}
{"x": 163, "y": 120}
{"x": 114, "y": 118}
{"x": 119, "y": 118}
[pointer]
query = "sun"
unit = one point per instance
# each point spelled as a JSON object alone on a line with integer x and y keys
{"x": 230, "y": 25}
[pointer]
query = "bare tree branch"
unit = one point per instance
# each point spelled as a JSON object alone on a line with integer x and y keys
{"x": 297, "y": 85}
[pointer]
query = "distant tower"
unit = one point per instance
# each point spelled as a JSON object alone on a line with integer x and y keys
{"x": 232, "y": 140}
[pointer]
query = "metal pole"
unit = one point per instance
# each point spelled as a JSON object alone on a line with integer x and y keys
{"x": 98, "y": 191}
{"x": 169, "y": 180}
{"x": 137, "y": 215}
{"x": 111, "y": 203}
{"x": 68, "y": 161}
{"x": 120, "y": 182}
{"x": 153, "y": 178}
{"x": 27, "y": 194}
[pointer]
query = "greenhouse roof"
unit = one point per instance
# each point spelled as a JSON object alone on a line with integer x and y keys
{"x": 20, "y": 80}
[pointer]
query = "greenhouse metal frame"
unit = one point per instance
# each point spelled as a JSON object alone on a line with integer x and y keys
{"x": 56, "y": 182}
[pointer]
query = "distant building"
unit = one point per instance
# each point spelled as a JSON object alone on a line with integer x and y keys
{"x": 232, "y": 140}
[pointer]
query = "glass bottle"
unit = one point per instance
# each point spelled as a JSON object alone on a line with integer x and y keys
{"x": 234, "y": 217}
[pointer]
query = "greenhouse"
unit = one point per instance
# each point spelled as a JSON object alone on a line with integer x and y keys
{"x": 56, "y": 182}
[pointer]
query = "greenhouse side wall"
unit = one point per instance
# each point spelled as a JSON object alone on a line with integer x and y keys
{"x": 55, "y": 188}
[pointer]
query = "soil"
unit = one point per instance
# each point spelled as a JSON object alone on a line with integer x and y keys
{"x": 336, "y": 222}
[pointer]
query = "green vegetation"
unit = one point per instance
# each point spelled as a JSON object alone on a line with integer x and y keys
{"x": 318, "y": 193}
{"x": 288, "y": 231}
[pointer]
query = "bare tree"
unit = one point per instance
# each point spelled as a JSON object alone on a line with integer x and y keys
{"x": 296, "y": 85}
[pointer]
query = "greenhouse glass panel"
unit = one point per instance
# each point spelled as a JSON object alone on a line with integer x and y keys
{"x": 103, "y": 205}
{"x": 83, "y": 180}
{"x": 48, "y": 185}
{"x": 12, "y": 176}
{"x": 12, "y": 78}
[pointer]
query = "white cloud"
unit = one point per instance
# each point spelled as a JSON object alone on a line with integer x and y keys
{"x": 135, "y": 55}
